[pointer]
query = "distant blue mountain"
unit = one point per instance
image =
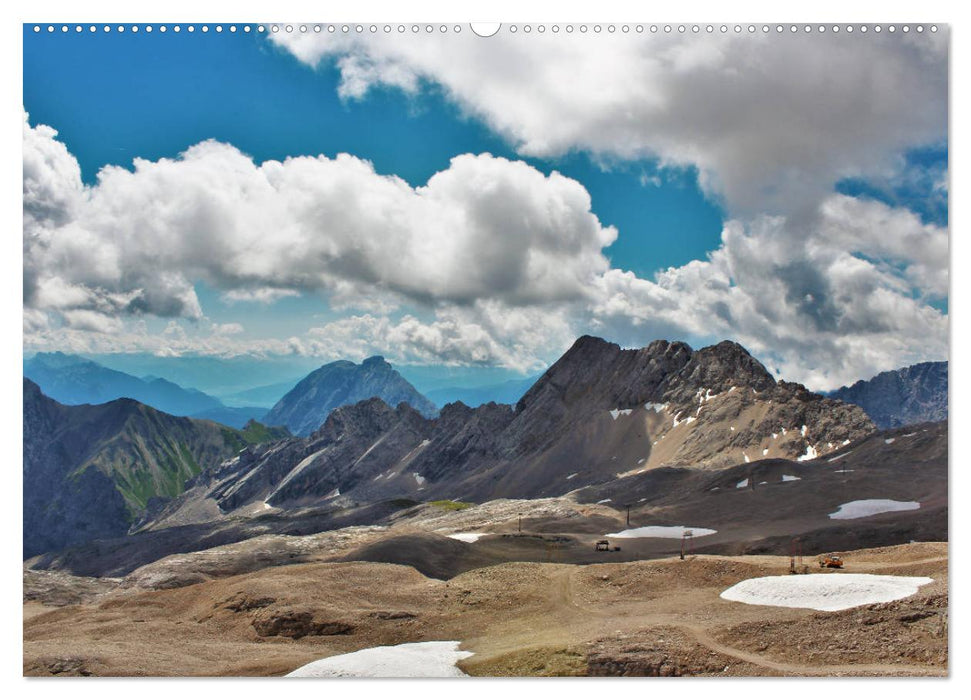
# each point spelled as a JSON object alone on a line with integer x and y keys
{"x": 504, "y": 392}
{"x": 915, "y": 394}
{"x": 74, "y": 380}
{"x": 233, "y": 416}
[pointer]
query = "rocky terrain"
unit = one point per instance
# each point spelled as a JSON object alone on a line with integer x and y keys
{"x": 600, "y": 412}
{"x": 770, "y": 506}
{"x": 305, "y": 407}
{"x": 915, "y": 394}
{"x": 183, "y": 547}
{"x": 91, "y": 471}
{"x": 662, "y": 617}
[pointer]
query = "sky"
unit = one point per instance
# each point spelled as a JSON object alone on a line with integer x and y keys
{"x": 451, "y": 201}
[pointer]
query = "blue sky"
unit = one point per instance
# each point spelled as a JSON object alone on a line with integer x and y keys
{"x": 175, "y": 90}
{"x": 116, "y": 97}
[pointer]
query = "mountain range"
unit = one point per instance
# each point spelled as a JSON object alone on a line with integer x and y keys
{"x": 74, "y": 380}
{"x": 668, "y": 424}
{"x": 305, "y": 407}
{"x": 598, "y": 414}
{"x": 509, "y": 391}
{"x": 91, "y": 470}
{"x": 915, "y": 394}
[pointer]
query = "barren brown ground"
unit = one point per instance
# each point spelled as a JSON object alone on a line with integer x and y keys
{"x": 654, "y": 617}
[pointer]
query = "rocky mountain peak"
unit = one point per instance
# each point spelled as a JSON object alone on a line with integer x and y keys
{"x": 905, "y": 396}
{"x": 305, "y": 407}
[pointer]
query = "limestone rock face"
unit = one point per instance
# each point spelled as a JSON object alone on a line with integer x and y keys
{"x": 598, "y": 413}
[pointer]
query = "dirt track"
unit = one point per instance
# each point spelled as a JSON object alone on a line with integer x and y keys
{"x": 658, "y": 617}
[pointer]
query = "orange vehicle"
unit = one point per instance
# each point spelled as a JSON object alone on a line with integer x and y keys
{"x": 830, "y": 561}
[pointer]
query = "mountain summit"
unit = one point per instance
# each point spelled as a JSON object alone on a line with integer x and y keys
{"x": 915, "y": 394}
{"x": 305, "y": 407}
{"x": 599, "y": 414}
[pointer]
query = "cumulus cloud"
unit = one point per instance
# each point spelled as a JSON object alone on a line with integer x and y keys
{"x": 491, "y": 262}
{"x": 136, "y": 241}
{"x": 825, "y": 302}
{"x": 261, "y": 295}
{"x": 771, "y": 121}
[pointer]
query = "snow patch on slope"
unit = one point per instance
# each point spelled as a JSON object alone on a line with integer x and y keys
{"x": 414, "y": 660}
{"x": 663, "y": 531}
{"x": 466, "y": 536}
{"x": 826, "y": 592}
{"x": 871, "y": 506}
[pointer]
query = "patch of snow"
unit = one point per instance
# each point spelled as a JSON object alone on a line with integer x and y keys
{"x": 466, "y": 536}
{"x": 674, "y": 532}
{"x": 620, "y": 412}
{"x": 783, "y": 431}
{"x": 889, "y": 441}
{"x": 847, "y": 442}
{"x": 425, "y": 443}
{"x": 414, "y": 660}
{"x": 904, "y": 436}
{"x": 715, "y": 488}
{"x": 333, "y": 494}
{"x": 775, "y": 436}
{"x": 641, "y": 460}
{"x": 747, "y": 460}
{"x": 656, "y": 407}
{"x": 761, "y": 483}
{"x": 803, "y": 431}
{"x": 765, "y": 451}
{"x": 826, "y": 592}
{"x": 732, "y": 428}
{"x": 871, "y": 506}
{"x": 419, "y": 478}
{"x": 742, "y": 484}
{"x": 606, "y": 500}
{"x": 572, "y": 475}
{"x": 845, "y": 454}
{"x": 789, "y": 477}
{"x": 810, "y": 454}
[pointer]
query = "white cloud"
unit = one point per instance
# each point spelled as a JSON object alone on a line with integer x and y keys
{"x": 227, "y": 328}
{"x": 261, "y": 295}
{"x": 137, "y": 241}
{"x": 827, "y": 302}
{"x": 771, "y": 121}
{"x": 491, "y": 262}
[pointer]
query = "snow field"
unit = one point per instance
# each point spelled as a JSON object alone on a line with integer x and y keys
{"x": 467, "y": 536}
{"x": 826, "y": 592}
{"x": 871, "y": 506}
{"x": 414, "y": 660}
{"x": 662, "y": 531}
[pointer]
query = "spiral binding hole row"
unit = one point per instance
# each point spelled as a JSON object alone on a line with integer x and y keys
{"x": 513, "y": 28}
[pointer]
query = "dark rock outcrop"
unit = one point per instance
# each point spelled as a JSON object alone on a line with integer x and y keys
{"x": 598, "y": 412}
